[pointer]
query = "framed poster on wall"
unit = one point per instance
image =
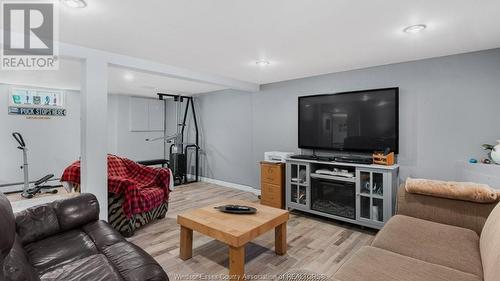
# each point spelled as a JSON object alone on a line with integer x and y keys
{"x": 36, "y": 102}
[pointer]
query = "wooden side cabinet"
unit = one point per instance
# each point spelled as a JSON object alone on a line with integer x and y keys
{"x": 272, "y": 188}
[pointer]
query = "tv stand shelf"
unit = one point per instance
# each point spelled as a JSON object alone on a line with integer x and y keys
{"x": 368, "y": 198}
{"x": 328, "y": 177}
{"x": 375, "y": 166}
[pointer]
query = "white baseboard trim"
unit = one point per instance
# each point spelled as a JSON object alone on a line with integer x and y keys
{"x": 231, "y": 185}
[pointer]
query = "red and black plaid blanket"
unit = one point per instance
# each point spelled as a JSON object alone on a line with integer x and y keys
{"x": 144, "y": 188}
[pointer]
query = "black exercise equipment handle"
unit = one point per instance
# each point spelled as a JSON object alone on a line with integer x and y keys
{"x": 19, "y": 138}
{"x": 44, "y": 179}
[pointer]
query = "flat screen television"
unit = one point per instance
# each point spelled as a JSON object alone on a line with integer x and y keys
{"x": 360, "y": 121}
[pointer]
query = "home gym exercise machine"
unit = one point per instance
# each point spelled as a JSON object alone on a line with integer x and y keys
{"x": 178, "y": 150}
{"x": 39, "y": 185}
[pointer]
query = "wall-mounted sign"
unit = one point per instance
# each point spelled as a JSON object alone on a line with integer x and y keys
{"x": 37, "y": 111}
{"x": 36, "y": 102}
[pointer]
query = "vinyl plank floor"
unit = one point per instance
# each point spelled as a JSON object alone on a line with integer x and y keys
{"x": 314, "y": 244}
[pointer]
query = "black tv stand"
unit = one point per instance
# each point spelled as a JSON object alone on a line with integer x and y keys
{"x": 354, "y": 159}
{"x": 304, "y": 157}
{"x": 312, "y": 157}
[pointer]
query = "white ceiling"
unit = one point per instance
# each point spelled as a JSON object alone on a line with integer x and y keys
{"x": 142, "y": 84}
{"x": 299, "y": 37}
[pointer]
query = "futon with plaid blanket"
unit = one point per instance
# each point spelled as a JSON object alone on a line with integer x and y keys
{"x": 144, "y": 188}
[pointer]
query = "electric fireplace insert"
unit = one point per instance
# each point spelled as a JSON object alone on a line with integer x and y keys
{"x": 335, "y": 197}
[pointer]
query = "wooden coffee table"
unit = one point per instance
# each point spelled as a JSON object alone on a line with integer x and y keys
{"x": 234, "y": 230}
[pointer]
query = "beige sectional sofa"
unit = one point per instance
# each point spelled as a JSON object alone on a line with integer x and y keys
{"x": 431, "y": 239}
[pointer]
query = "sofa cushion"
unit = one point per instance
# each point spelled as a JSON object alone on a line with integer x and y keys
{"x": 36, "y": 223}
{"x": 60, "y": 249}
{"x": 76, "y": 211}
{"x": 374, "y": 264}
{"x": 133, "y": 263}
{"x": 490, "y": 246}
{"x": 466, "y": 191}
{"x": 95, "y": 268}
{"x": 448, "y": 211}
{"x": 102, "y": 234}
{"x": 446, "y": 245}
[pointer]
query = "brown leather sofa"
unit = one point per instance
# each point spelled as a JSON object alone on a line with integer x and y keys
{"x": 65, "y": 240}
{"x": 434, "y": 239}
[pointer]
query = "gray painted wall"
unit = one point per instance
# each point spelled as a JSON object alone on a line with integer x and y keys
{"x": 55, "y": 143}
{"x": 127, "y": 143}
{"x": 227, "y": 137}
{"x": 132, "y": 144}
{"x": 449, "y": 106}
{"x": 52, "y": 143}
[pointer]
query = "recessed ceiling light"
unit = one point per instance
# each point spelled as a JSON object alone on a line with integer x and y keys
{"x": 412, "y": 29}
{"x": 129, "y": 76}
{"x": 75, "y": 3}
{"x": 262, "y": 62}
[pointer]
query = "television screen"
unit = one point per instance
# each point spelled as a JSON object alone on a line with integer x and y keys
{"x": 363, "y": 121}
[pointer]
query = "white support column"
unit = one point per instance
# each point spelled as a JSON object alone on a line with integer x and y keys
{"x": 94, "y": 107}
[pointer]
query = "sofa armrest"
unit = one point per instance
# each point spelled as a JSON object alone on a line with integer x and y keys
{"x": 459, "y": 213}
{"x": 16, "y": 266}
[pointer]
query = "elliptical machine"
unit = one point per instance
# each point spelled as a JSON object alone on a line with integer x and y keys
{"x": 38, "y": 186}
